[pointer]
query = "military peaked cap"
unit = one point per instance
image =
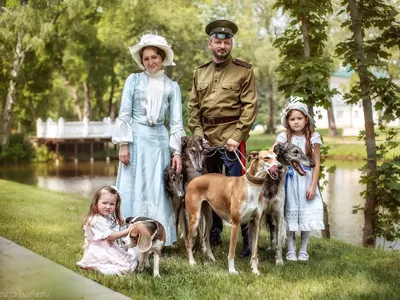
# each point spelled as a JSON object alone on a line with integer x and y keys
{"x": 221, "y": 29}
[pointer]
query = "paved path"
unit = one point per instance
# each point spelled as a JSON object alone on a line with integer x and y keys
{"x": 27, "y": 275}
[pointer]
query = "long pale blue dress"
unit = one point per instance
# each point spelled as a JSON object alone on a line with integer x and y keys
{"x": 302, "y": 214}
{"x": 141, "y": 182}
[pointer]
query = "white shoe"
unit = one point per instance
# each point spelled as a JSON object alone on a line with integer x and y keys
{"x": 291, "y": 256}
{"x": 302, "y": 256}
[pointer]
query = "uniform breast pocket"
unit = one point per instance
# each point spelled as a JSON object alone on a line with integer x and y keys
{"x": 231, "y": 87}
{"x": 201, "y": 89}
{"x": 231, "y": 90}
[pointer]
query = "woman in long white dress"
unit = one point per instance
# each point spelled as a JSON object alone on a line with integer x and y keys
{"x": 147, "y": 99}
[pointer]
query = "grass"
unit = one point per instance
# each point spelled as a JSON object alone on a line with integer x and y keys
{"x": 348, "y": 147}
{"x": 50, "y": 224}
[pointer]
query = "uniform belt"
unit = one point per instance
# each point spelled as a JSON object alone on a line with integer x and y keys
{"x": 219, "y": 120}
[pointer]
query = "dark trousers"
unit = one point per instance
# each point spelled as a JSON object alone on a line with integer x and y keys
{"x": 233, "y": 167}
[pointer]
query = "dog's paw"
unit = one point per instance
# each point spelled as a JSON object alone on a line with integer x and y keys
{"x": 279, "y": 262}
{"x": 256, "y": 272}
{"x": 234, "y": 272}
{"x": 141, "y": 268}
{"x": 156, "y": 275}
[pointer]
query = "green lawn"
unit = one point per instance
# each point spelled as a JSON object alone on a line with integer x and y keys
{"x": 50, "y": 224}
{"x": 348, "y": 147}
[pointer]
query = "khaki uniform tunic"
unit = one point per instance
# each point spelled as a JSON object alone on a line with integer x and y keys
{"x": 227, "y": 89}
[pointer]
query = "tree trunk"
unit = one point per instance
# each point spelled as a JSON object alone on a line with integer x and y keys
{"x": 369, "y": 231}
{"x": 304, "y": 30}
{"x": 332, "y": 130}
{"x": 86, "y": 103}
{"x": 7, "y": 113}
{"x": 111, "y": 108}
{"x": 306, "y": 49}
{"x": 270, "y": 101}
{"x": 74, "y": 93}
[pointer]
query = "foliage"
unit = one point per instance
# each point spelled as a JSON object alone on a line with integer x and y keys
{"x": 387, "y": 179}
{"x": 18, "y": 150}
{"x": 304, "y": 69}
{"x": 43, "y": 154}
{"x": 305, "y": 74}
{"x": 366, "y": 55}
{"x": 336, "y": 270}
{"x": 376, "y": 15}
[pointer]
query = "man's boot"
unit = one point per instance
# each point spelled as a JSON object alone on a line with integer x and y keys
{"x": 216, "y": 230}
{"x": 246, "y": 252}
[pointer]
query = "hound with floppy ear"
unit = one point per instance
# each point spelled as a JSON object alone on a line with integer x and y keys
{"x": 148, "y": 236}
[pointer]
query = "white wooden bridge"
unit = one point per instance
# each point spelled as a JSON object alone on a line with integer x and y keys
{"x": 77, "y": 132}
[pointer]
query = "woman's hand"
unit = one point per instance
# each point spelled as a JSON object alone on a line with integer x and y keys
{"x": 310, "y": 193}
{"x": 124, "y": 155}
{"x": 177, "y": 163}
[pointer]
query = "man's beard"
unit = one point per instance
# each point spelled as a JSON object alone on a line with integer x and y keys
{"x": 221, "y": 56}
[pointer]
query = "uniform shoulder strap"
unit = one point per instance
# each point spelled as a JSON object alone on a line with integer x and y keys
{"x": 241, "y": 63}
{"x": 206, "y": 64}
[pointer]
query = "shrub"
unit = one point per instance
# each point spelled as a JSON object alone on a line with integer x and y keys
{"x": 19, "y": 149}
{"x": 43, "y": 154}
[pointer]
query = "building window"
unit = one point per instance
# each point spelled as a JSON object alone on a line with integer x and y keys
{"x": 339, "y": 114}
{"x": 356, "y": 115}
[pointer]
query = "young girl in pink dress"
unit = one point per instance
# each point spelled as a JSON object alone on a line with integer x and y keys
{"x": 101, "y": 252}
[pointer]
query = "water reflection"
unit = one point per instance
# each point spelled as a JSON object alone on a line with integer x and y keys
{"x": 82, "y": 179}
{"x": 341, "y": 194}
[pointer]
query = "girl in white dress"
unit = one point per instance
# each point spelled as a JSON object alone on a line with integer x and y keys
{"x": 303, "y": 204}
{"x": 101, "y": 252}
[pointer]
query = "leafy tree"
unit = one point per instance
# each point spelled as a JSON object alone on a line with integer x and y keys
{"x": 365, "y": 54}
{"x": 304, "y": 69}
{"x": 23, "y": 25}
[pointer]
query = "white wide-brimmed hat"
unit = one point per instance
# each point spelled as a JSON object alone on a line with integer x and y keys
{"x": 156, "y": 41}
{"x": 295, "y": 105}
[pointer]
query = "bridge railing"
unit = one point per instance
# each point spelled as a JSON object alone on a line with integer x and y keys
{"x": 76, "y": 129}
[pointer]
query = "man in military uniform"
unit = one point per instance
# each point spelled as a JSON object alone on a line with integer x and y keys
{"x": 222, "y": 108}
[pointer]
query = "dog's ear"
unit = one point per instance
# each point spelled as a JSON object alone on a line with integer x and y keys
{"x": 128, "y": 220}
{"x": 145, "y": 238}
{"x": 278, "y": 148}
{"x": 166, "y": 178}
{"x": 184, "y": 141}
{"x": 253, "y": 155}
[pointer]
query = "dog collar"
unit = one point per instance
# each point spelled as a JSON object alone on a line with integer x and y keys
{"x": 254, "y": 180}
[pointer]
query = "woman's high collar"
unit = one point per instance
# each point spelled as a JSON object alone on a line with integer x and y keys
{"x": 156, "y": 74}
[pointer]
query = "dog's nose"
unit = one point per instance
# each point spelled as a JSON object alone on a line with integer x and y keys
{"x": 280, "y": 167}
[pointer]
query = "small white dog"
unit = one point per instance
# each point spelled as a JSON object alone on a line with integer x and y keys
{"x": 146, "y": 236}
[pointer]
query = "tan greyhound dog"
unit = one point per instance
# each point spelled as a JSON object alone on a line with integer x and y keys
{"x": 237, "y": 200}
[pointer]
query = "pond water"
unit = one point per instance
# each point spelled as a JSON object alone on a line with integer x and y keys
{"x": 341, "y": 194}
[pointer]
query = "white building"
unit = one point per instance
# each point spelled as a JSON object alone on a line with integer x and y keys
{"x": 347, "y": 116}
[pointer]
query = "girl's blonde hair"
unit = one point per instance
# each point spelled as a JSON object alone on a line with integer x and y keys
{"x": 308, "y": 130}
{"x": 117, "y": 219}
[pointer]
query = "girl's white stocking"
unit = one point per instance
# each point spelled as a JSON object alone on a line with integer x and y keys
{"x": 305, "y": 236}
{"x": 290, "y": 241}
